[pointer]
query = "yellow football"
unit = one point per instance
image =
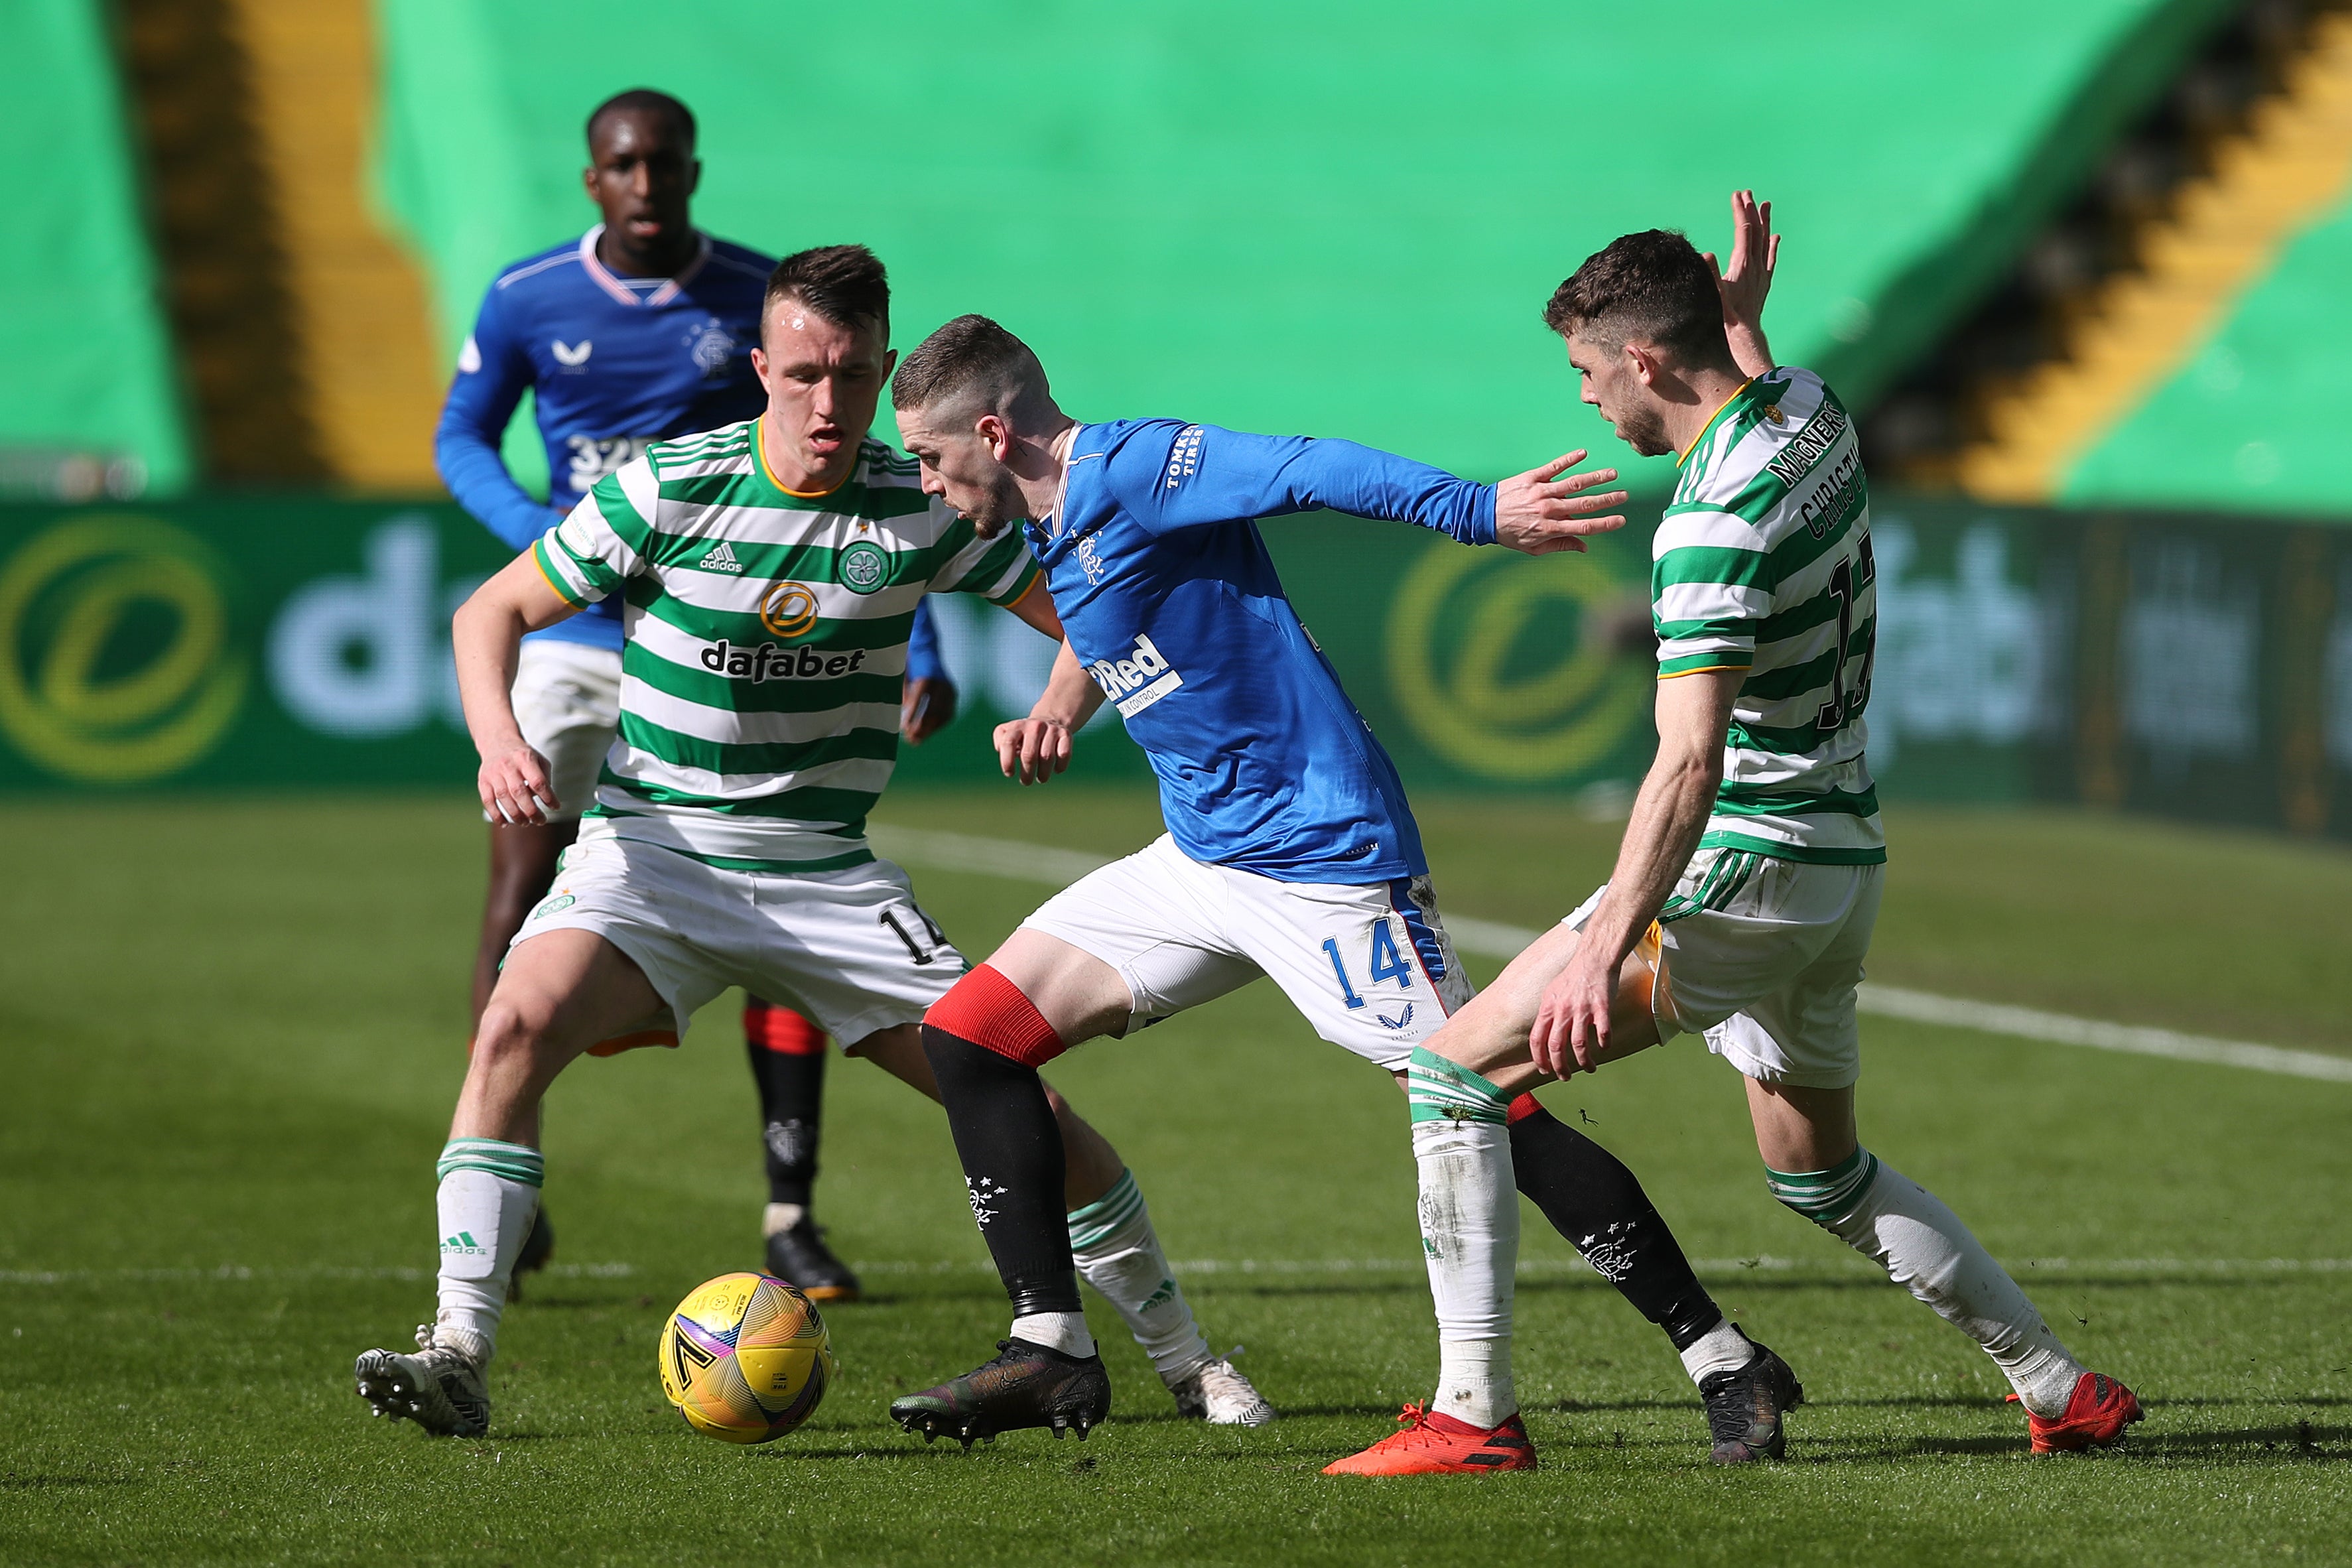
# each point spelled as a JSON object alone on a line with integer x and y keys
{"x": 745, "y": 1358}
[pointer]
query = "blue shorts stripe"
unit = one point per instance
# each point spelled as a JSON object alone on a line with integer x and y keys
{"x": 1424, "y": 940}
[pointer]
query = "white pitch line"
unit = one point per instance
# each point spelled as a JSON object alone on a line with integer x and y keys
{"x": 1492, "y": 938}
{"x": 1006, "y": 858}
{"x": 236, "y": 1273}
{"x": 2061, "y": 1028}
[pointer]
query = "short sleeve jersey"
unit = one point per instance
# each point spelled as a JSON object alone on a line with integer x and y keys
{"x": 1762, "y": 563}
{"x": 766, "y": 636}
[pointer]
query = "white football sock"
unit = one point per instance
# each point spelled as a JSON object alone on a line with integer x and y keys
{"x": 489, "y": 1197}
{"x": 1063, "y": 1332}
{"x": 1722, "y": 1348}
{"x": 1906, "y": 1230}
{"x": 1112, "y": 1242}
{"x": 1469, "y": 1233}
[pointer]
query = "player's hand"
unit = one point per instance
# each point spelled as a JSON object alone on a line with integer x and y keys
{"x": 1755, "y": 252}
{"x": 1571, "y": 1028}
{"x": 1033, "y": 749}
{"x": 514, "y": 786}
{"x": 1538, "y": 512}
{"x": 925, "y": 707}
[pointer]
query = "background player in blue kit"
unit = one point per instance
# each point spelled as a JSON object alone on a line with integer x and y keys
{"x": 640, "y": 329}
{"x": 1290, "y": 853}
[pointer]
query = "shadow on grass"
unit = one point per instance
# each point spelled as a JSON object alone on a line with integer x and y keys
{"x": 2301, "y": 1444}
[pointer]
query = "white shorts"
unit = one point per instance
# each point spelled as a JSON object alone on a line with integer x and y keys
{"x": 1368, "y": 963}
{"x": 567, "y": 702}
{"x": 1762, "y": 955}
{"x": 848, "y": 948}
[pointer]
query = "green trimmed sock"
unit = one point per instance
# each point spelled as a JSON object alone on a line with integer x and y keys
{"x": 1906, "y": 1230}
{"x": 1827, "y": 1196}
{"x": 1439, "y": 1090}
{"x": 489, "y": 1196}
{"x": 1118, "y": 1253}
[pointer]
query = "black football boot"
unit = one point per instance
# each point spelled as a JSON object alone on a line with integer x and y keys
{"x": 1025, "y": 1385}
{"x": 1744, "y": 1408}
{"x": 798, "y": 1256}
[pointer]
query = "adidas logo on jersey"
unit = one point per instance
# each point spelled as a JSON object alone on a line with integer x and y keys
{"x": 769, "y": 662}
{"x": 720, "y": 557}
{"x": 1137, "y": 681}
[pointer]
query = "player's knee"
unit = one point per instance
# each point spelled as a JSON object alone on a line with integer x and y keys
{"x": 989, "y": 1010}
{"x": 511, "y": 1029}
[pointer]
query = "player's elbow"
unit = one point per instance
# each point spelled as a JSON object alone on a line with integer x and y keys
{"x": 488, "y": 613}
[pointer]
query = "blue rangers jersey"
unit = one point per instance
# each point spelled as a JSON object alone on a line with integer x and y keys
{"x": 1169, "y": 597}
{"x": 615, "y": 362}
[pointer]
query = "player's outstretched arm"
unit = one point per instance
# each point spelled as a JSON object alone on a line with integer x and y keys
{"x": 484, "y": 636}
{"x": 1755, "y": 252}
{"x": 1571, "y": 1028}
{"x": 1540, "y": 513}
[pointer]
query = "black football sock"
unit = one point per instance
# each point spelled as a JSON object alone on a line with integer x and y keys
{"x": 1013, "y": 1168}
{"x": 791, "y": 1100}
{"x": 1594, "y": 1201}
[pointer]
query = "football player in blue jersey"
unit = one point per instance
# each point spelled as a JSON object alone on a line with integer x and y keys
{"x": 1290, "y": 853}
{"x": 640, "y": 329}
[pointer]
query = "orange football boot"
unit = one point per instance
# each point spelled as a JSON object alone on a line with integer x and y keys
{"x": 1431, "y": 1444}
{"x": 2096, "y": 1414}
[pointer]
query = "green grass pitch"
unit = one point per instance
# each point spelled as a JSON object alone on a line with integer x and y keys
{"x": 231, "y": 1032}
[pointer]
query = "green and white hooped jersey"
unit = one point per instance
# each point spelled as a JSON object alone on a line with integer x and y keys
{"x": 1762, "y": 563}
{"x": 766, "y": 641}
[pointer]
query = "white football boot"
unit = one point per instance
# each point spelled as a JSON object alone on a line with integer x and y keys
{"x": 1218, "y": 1393}
{"x": 441, "y": 1387}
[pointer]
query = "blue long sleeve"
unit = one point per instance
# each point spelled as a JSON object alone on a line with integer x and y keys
{"x": 1203, "y": 475}
{"x": 493, "y": 372}
{"x": 923, "y": 660}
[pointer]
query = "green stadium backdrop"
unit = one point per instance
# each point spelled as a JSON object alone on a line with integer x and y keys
{"x": 2160, "y": 663}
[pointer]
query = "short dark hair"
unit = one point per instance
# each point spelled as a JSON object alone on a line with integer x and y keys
{"x": 643, "y": 100}
{"x": 971, "y": 356}
{"x": 1653, "y": 287}
{"x": 846, "y": 284}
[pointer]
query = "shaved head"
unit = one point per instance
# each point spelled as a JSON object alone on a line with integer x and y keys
{"x": 970, "y": 367}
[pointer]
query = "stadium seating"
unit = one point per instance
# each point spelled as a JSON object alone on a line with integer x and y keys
{"x": 1337, "y": 217}
{"x": 2253, "y": 422}
{"x": 85, "y": 355}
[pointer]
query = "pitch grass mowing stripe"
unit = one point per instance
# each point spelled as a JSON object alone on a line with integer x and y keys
{"x": 1492, "y": 938}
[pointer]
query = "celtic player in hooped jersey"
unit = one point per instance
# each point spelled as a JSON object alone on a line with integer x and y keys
{"x": 1748, "y": 882}
{"x": 769, "y": 574}
{"x": 767, "y": 634}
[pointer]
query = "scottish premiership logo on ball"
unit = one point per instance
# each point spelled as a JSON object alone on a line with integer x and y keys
{"x": 863, "y": 567}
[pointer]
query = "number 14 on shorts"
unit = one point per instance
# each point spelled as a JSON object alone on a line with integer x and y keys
{"x": 1386, "y": 962}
